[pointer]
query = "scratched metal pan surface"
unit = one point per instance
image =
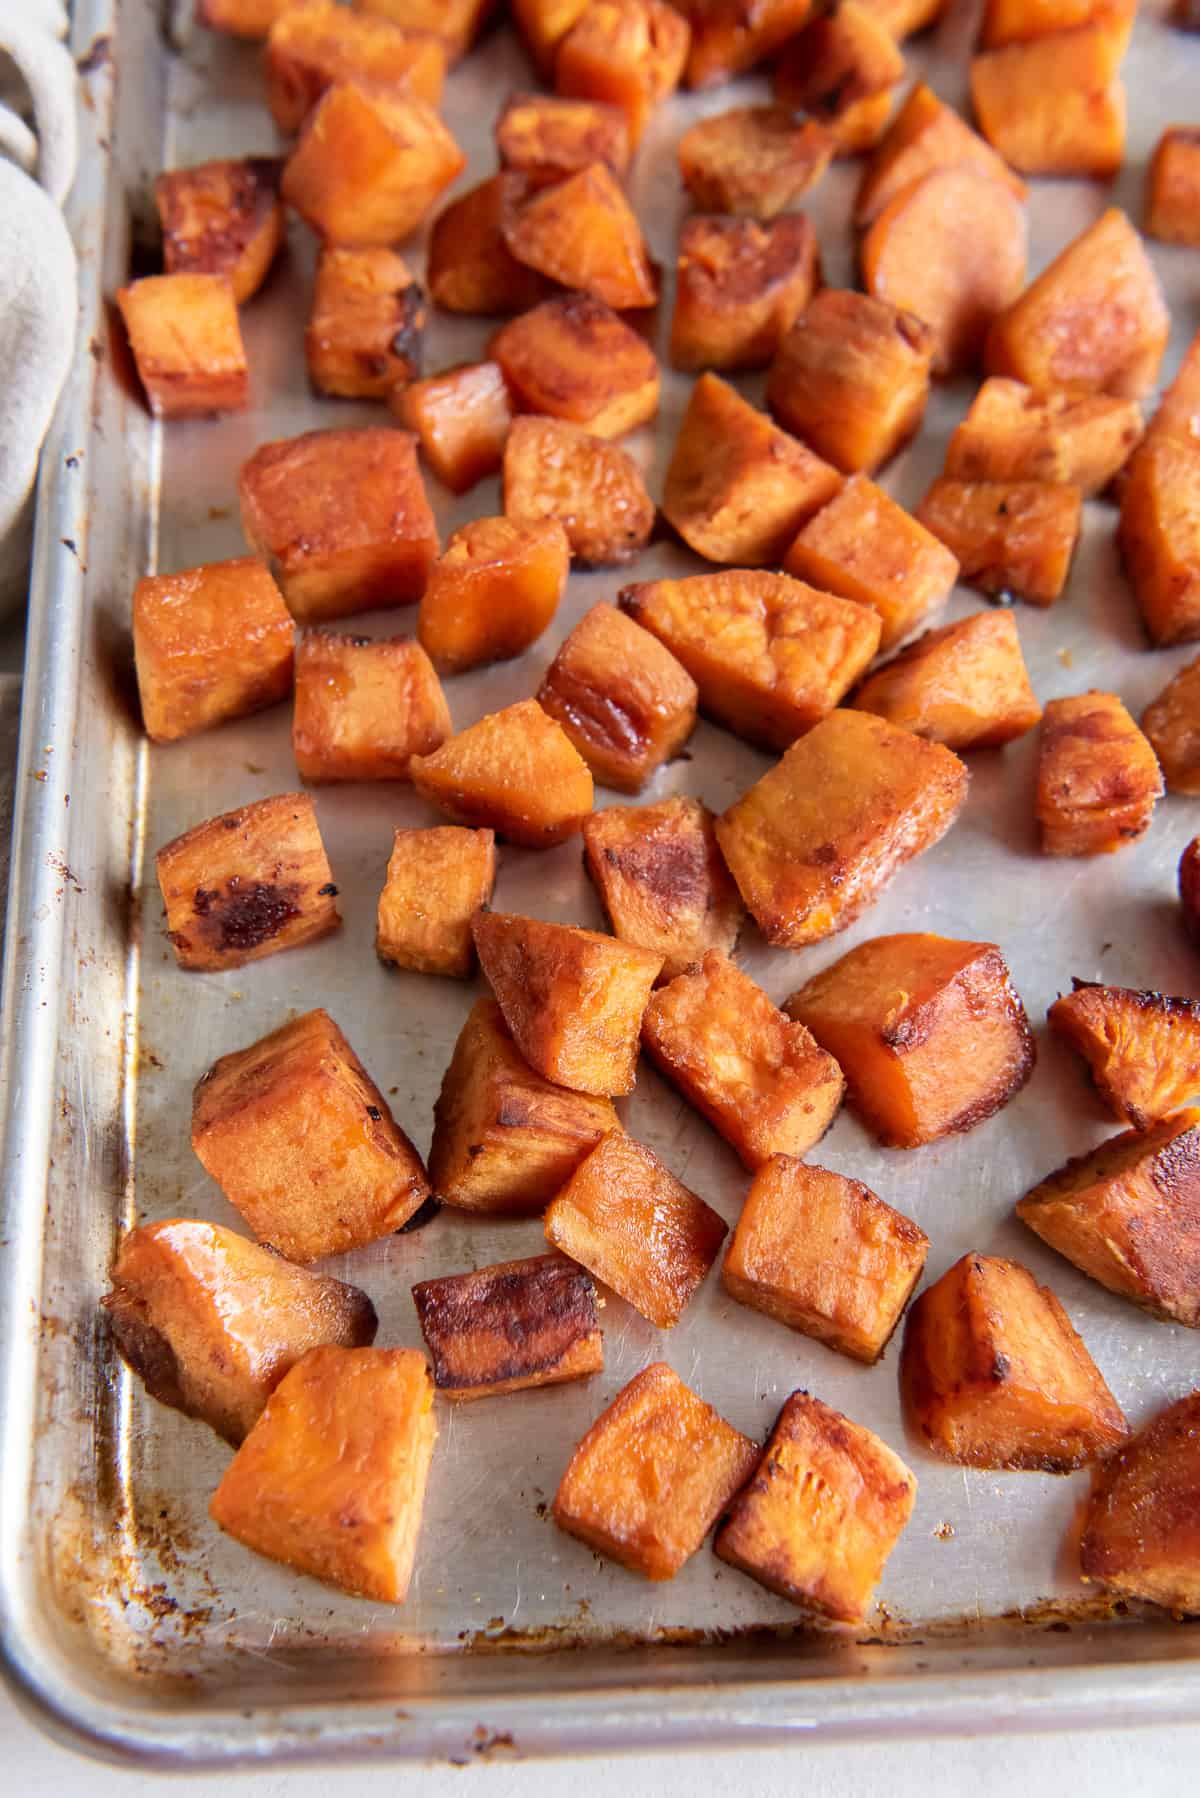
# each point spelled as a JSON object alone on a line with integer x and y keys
{"x": 129, "y": 1621}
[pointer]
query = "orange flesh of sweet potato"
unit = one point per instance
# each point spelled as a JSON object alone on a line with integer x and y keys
{"x": 312, "y": 47}
{"x": 594, "y": 489}
{"x": 652, "y": 1475}
{"x": 544, "y": 24}
{"x": 457, "y": 23}
{"x": 1142, "y": 1048}
{"x": 241, "y": 18}
{"x": 470, "y": 268}
{"x": 1098, "y": 779}
{"x": 755, "y": 160}
{"x": 509, "y": 1327}
{"x": 1128, "y": 1215}
{"x": 1141, "y": 1532}
{"x": 1017, "y": 21}
{"x": 492, "y": 592}
{"x": 573, "y": 358}
{"x": 726, "y": 40}
{"x": 222, "y": 218}
{"x": 583, "y": 233}
{"x": 461, "y": 418}
{"x": 1178, "y": 414}
{"x": 367, "y": 323}
{"x": 992, "y": 1374}
{"x": 758, "y": 1078}
{"x": 436, "y": 881}
{"x": 627, "y": 53}
{"x": 1054, "y": 105}
{"x": 1189, "y": 889}
{"x": 926, "y": 134}
{"x": 815, "y": 841}
{"x": 514, "y": 771}
{"x": 965, "y": 685}
{"x": 1012, "y": 538}
{"x": 548, "y": 137}
{"x": 824, "y": 1255}
{"x": 1012, "y": 433}
{"x": 1172, "y": 725}
{"x": 842, "y": 70}
{"x": 1159, "y": 535}
{"x": 904, "y": 18}
{"x": 364, "y": 708}
{"x": 739, "y": 287}
{"x": 187, "y": 344}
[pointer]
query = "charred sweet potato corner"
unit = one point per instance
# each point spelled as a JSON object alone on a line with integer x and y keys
{"x": 222, "y": 218}
{"x": 510, "y": 1327}
{"x": 365, "y": 330}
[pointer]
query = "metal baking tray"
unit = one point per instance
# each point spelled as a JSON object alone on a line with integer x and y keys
{"x": 130, "y": 1624}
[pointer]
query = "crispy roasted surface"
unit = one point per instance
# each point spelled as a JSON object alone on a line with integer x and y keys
{"x": 726, "y": 40}
{"x": 366, "y": 326}
{"x": 573, "y": 358}
{"x": 925, "y": 134}
{"x": 1054, "y": 105}
{"x": 515, "y": 772}
{"x": 187, "y": 344}
{"x": 1142, "y": 1048}
{"x": 842, "y": 69}
{"x": 470, "y": 267}
{"x": 461, "y": 417}
{"x": 582, "y": 232}
{"x": 492, "y": 592}
{"x": 1013, "y": 538}
{"x": 1012, "y": 433}
{"x": 511, "y": 1326}
{"x": 594, "y": 489}
{"x": 1160, "y": 536}
{"x": 548, "y": 136}
{"x": 1098, "y": 780}
{"x": 1172, "y": 725}
{"x": 753, "y": 160}
{"x": 313, "y": 46}
{"x": 364, "y": 707}
{"x": 628, "y": 53}
{"x": 436, "y": 881}
{"x": 965, "y": 685}
{"x": 739, "y": 287}
{"x": 1141, "y": 1530}
{"x": 222, "y": 218}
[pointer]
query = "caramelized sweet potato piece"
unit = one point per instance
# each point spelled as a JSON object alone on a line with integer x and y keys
{"x": 1140, "y": 1533}
{"x": 824, "y": 1255}
{"x": 662, "y": 881}
{"x": 367, "y": 322}
{"x": 822, "y": 1513}
{"x": 514, "y": 771}
{"x": 509, "y": 1327}
{"x": 456, "y": 23}
{"x": 583, "y": 232}
{"x": 461, "y": 418}
{"x": 209, "y": 643}
{"x": 331, "y": 1479}
{"x": 852, "y": 377}
{"x": 470, "y": 268}
{"x": 727, "y": 40}
{"x": 1142, "y": 1048}
{"x": 436, "y": 881}
{"x": 247, "y": 884}
{"x": 738, "y": 488}
{"x": 1012, "y": 433}
{"x": 1178, "y": 414}
{"x": 573, "y": 358}
{"x": 925, "y": 134}
{"x": 842, "y": 70}
{"x": 311, "y": 47}
{"x": 632, "y": 1224}
{"x": 992, "y": 1374}
{"x": 1011, "y": 538}
{"x": 755, "y": 160}
{"x": 1189, "y": 889}
{"x": 548, "y": 137}
{"x": 758, "y": 1077}
{"x": 222, "y": 218}
{"x": 544, "y": 24}
{"x": 594, "y": 489}
{"x": 364, "y": 708}
{"x": 573, "y": 999}
{"x": 965, "y": 685}
{"x": 1097, "y": 780}
{"x": 1128, "y": 1215}
{"x": 301, "y": 1142}
{"x": 1172, "y": 725}
{"x": 769, "y": 654}
{"x": 212, "y": 1322}
{"x": 187, "y": 344}
{"x": 904, "y": 18}
{"x": 492, "y": 592}
{"x": 504, "y": 1139}
{"x": 739, "y": 287}
{"x": 652, "y": 1475}
{"x": 241, "y": 18}
{"x": 1159, "y": 535}
{"x": 815, "y": 841}
{"x": 1017, "y": 21}
{"x": 628, "y": 53}
{"x": 1054, "y": 105}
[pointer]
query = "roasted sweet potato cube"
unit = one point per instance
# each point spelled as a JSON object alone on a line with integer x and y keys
{"x": 1128, "y": 1215}
{"x": 555, "y": 470}
{"x": 865, "y": 547}
{"x": 629, "y": 1221}
{"x": 461, "y": 418}
{"x": 247, "y": 884}
{"x": 1094, "y": 321}
{"x": 209, "y": 643}
{"x": 822, "y": 1513}
{"x": 187, "y": 344}
{"x": 727, "y": 40}
{"x": 511, "y": 1326}
{"x": 1178, "y": 413}
{"x": 301, "y": 1142}
{"x": 222, "y": 218}
{"x": 504, "y": 1139}
{"x": 1173, "y": 187}
{"x": 758, "y": 1078}
{"x": 965, "y": 685}
{"x": 1012, "y": 538}
{"x": 1189, "y": 889}
{"x": 436, "y": 881}
{"x": 456, "y": 23}
{"x": 548, "y": 137}
{"x": 492, "y": 592}
{"x": 364, "y": 708}
{"x": 515, "y": 771}
{"x": 370, "y": 163}
{"x": 662, "y": 881}
{"x": 652, "y": 1475}
{"x": 544, "y": 24}
{"x": 1017, "y": 21}
{"x": 770, "y": 655}
{"x": 816, "y": 840}
{"x": 992, "y": 1374}
{"x": 1142, "y": 1048}
{"x": 1054, "y": 105}
{"x": 622, "y": 698}
{"x": 824, "y": 1255}
{"x": 331, "y": 1479}
{"x": 1172, "y": 725}
{"x": 628, "y": 53}
{"x": 1159, "y": 537}
{"x": 738, "y": 488}
{"x": 755, "y": 160}
{"x": 852, "y": 377}
{"x": 904, "y": 18}
{"x": 241, "y": 18}
{"x": 1012, "y": 433}
{"x": 343, "y": 517}
{"x": 583, "y": 232}
{"x": 573, "y": 999}
{"x": 365, "y": 330}
{"x": 573, "y": 358}
{"x": 211, "y": 1322}
{"x": 470, "y": 267}
{"x": 739, "y": 288}
{"x": 314, "y": 46}
{"x": 842, "y": 70}
{"x": 925, "y": 134}
{"x": 1097, "y": 779}
{"x": 1140, "y": 1532}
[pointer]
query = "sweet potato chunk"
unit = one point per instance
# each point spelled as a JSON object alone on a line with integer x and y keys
{"x": 366, "y": 326}
{"x": 652, "y": 1475}
{"x": 211, "y": 1322}
{"x": 583, "y": 232}
{"x": 867, "y": 548}
{"x": 1140, "y": 1534}
{"x": 504, "y": 1139}
{"x": 755, "y": 160}
{"x": 1178, "y": 414}
{"x": 1094, "y": 321}
{"x": 662, "y": 881}
{"x": 187, "y": 344}
{"x": 301, "y": 1142}
{"x": 1017, "y": 21}
{"x": 573, "y": 999}
{"x": 627, "y": 53}
{"x": 816, "y": 840}
{"x": 965, "y": 685}
{"x": 1159, "y": 537}
{"x": 331, "y": 1479}
{"x": 925, "y": 134}
{"x": 314, "y": 46}
{"x": 770, "y": 655}
{"x": 1189, "y": 889}
{"x": 509, "y": 1327}
{"x": 573, "y": 358}
{"x": 548, "y": 137}
{"x": 1012, "y": 433}
{"x": 470, "y": 268}
{"x": 456, "y": 23}
{"x": 629, "y": 1221}
{"x": 492, "y": 592}
{"x": 209, "y": 643}
{"x": 758, "y": 1078}
{"x": 241, "y": 18}
{"x": 739, "y": 287}
{"x": 904, "y": 18}
{"x": 1012, "y": 538}
{"x": 822, "y": 1513}
{"x": 992, "y": 1374}
{"x": 1172, "y": 725}
{"x": 1054, "y": 105}
{"x": 247, "y": 884}
{"x": 1142, "y": 1048}
{"x": 738, "y": 488}
{"x": 1097, "y": 780}
{"x": 222, "y": 218}
{"x": 343, "y": 517}
{"x": 929, "y": 1032}
{"x": 824, "y": 1255}
{"x": 594, "y": 489}
{"x": 622, "y": 698}
{"x": 544, "y": 24}
{"x": 436, "y": 881}
{"x": 364, "y": 708}
{"x": 852, "y": 377}
{"x": 1128, "y": 1215}
{"x": 514, "y": 771}
{"x": 461, "y": 418}
{"x": 842, "y": 70}
{"x": 727, "y": 40}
